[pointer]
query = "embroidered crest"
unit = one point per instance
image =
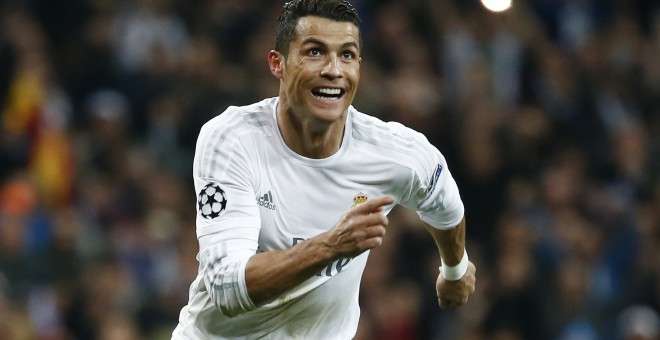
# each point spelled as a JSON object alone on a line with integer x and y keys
{"x": 359, "y": 199}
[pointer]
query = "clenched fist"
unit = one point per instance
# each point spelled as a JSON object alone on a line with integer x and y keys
{"x": 456, "y": 293}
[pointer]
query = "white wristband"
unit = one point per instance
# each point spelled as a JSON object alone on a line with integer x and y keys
{"x": 453, "y": 273}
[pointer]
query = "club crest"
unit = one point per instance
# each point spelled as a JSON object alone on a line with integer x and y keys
{"x": 359, "y": 199}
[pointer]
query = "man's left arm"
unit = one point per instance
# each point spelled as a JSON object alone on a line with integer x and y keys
{"x": 456, "y": 281}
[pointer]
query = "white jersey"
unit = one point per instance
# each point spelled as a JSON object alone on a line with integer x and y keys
{"x": 255, "y": 194}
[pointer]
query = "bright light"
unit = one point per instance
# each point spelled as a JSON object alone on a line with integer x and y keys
{"x": 496, "y": 5}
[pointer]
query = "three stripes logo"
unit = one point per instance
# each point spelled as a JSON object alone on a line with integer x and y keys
{"x": 266, "y": 201}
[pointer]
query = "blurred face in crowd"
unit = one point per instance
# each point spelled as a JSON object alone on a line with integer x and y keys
{"x": 321, "y": 71}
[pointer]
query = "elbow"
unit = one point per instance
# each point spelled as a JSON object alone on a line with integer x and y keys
{"x": 225, "y": 283}
{"x": 230, "y": 309}
{"x": 227, "y": 304}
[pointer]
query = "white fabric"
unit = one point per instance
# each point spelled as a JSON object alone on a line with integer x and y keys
{"x": 277, "y": 198}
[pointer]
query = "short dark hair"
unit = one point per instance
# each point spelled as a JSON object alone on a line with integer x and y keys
{"x": 337, "y": 10}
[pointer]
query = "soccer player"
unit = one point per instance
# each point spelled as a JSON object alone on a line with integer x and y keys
{"x": 293, "y": 192}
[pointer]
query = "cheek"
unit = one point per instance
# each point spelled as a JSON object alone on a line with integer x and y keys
{"x": 354, "y": 75}
{"x": 298, "y": 74}
{"x": 352, "y": 69}
{"x": 295, "y": 85}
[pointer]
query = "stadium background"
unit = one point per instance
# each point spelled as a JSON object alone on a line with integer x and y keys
{"x": 549, "y": 116}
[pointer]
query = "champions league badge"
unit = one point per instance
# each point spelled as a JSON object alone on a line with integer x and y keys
{"x": 211, "y": 201}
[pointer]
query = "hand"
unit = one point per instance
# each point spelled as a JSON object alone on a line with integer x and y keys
{"x": 359, "y": 229}
{"x": 456, "y": 293}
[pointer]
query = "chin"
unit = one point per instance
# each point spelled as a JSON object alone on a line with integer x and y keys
{"x": 329, "y": 115}
{"x": 332, "y": 110}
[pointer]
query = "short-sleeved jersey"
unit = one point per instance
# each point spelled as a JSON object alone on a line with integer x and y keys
{"x": 252, "y": 188}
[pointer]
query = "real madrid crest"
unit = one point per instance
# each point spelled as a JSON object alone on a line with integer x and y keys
{"x": 359, "y": 199}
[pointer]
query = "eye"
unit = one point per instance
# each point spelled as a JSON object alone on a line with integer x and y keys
{"x": 348, "y": 55}
{"x": 314, "y": 52}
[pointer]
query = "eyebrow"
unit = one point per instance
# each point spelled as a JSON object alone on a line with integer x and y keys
{"x": 319, "y": 42}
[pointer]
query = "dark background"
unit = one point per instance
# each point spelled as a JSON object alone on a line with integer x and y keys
{"x": 548, "y": 115}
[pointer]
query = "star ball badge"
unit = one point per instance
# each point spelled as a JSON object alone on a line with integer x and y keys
{"x": 211, "y": 201}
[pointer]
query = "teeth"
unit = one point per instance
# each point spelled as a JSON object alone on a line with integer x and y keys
{"x": 334, "y": 92}
{"x": 326, "y": 98}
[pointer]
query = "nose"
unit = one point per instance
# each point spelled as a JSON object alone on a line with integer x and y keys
{"x": 331, "y": 69}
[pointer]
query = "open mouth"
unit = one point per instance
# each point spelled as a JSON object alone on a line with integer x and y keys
{"x": 327, "y": 93}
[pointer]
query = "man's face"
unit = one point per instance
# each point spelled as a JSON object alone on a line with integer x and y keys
{"x": 322, "y": 70}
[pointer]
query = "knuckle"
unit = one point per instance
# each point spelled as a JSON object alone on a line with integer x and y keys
{"x": 374, "y": 242}
{"x": 348, "y": 222}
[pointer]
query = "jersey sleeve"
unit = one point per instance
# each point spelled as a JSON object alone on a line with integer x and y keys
{"x": 227, "y": 220}
{"x": 433, "y": 191}
{"x": 224, "y": 182}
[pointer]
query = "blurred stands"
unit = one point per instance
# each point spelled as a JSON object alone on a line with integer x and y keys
{"x": 548, "y": 114}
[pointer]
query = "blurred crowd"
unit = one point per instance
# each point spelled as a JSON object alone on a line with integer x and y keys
{"x": 548, "y": 115}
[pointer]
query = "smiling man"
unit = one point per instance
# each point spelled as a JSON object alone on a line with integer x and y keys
{"x": 293, "y": 192}
{"x": 319, "y": 73}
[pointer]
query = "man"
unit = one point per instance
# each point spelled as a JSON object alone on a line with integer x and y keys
{"x": 293, "y": 192}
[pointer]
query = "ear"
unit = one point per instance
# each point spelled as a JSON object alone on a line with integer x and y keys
{"x": 276, "y": 63}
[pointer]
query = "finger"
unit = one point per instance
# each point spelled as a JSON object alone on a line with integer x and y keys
{"x": 445, "y": 303}
{"x": 372, "y": 237}
{"x": 376, "y": 231}
{"x": 374, "y": 204}
{"x": 452, "y": 302}
{"x": 376, "y": 219}
{"x": 370, "y": 243}
{"x": 366, "y": 221}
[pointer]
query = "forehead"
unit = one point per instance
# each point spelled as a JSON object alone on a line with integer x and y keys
{"x": 326, "y": 30}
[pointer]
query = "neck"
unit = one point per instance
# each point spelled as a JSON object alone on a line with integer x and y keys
{"x": 309, "y": 137}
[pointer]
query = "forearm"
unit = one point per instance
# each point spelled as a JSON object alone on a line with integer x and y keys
{"x": 450, "y": 243}
{"x": 456, "y": 281}
{"x": 269, "y": 274}
{"x": 238, "y": 280}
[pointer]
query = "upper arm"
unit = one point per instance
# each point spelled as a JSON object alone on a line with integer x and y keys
{"x": 224, "y": 183}
{"x": 227, "y": 217}
{"x": 433, "y": 191}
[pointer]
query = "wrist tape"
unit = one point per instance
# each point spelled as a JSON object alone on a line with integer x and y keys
{"x": 453, "y": 273}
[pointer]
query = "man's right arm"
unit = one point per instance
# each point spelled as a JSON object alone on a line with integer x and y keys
{"x": 272, "y": 273}
{"x": 238, "y": 280}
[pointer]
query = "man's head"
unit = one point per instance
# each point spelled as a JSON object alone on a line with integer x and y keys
{"x": 336, "y": 10}
{"x": 317, "y": 60}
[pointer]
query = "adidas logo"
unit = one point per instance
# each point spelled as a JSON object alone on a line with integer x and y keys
{"x": 266, "y": 201}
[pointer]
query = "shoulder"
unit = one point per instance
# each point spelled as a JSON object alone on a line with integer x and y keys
{"x": 226, "y": 137}
{"x": 395, "y": 143}
{"x": 236, "y": 121}
{"x": 391, "y": 135}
